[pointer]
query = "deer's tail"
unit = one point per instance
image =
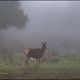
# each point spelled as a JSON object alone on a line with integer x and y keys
{"x": 26, "y": 51}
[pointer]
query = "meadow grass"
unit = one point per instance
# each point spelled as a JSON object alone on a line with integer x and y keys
{"x": 64, "y": 67}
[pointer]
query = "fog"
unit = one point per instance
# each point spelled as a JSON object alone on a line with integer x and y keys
{"x": 57, "y": 22}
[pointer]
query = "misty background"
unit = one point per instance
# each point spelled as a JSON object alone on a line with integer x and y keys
{"x": 57, "y": 22}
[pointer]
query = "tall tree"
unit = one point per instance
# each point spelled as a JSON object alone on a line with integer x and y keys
{"x": 11, "y": 15}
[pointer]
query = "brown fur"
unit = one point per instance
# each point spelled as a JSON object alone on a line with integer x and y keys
{"x": 35, "y": 53}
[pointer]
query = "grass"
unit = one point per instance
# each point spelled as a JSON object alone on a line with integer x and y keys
{"x": 65, "y": 68}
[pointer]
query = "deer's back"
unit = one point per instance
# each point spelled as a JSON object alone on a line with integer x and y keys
{"x": 35, "y": 53}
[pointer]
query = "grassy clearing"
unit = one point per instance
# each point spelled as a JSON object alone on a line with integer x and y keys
{"x": 65, "y": 68}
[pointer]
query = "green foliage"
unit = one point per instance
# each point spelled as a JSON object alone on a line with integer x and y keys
{"x": 11, "y": 15}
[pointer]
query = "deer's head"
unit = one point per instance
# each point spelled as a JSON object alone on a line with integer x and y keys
{"x": 44, "y": 45}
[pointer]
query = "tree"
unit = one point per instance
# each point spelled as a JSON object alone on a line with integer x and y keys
{"x": 11, "y": 15}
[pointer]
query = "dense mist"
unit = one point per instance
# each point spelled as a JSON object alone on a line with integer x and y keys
{"x": 56, "y": 22}
{"x": 39, "y": 39}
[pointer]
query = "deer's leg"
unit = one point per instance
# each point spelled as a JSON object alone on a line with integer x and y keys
{"x": 39, "y": 62}
{"x": 27, "y": 60}
{"x": 36, "y": 62}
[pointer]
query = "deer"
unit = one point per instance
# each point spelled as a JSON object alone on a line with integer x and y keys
{"x": 35, "y": 53}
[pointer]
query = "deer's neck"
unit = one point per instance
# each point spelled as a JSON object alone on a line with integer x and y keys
{"x": 43, "y": 50}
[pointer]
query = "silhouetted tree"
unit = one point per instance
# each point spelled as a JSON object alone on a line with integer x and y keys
{"x": 11, "y": 15}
